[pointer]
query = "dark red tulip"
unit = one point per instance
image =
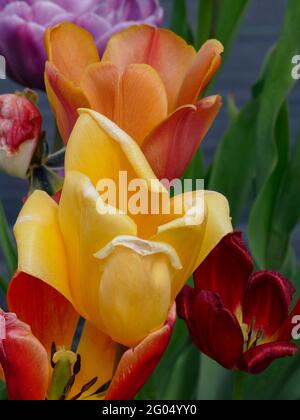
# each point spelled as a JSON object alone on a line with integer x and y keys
{"x": 239, "y": 318}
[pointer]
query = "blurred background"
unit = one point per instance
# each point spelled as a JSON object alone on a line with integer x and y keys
{"x": 258, "y": 32}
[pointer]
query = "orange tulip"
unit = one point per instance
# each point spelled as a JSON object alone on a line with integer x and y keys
{"x": 148, "y": 82}
{"x": 34, "y": 368}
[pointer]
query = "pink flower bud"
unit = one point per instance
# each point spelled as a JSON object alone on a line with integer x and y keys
{"x": 20, "y": 131}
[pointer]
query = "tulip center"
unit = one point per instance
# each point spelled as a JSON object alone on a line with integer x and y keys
{"x": 66, "y": 366}
{"x": 252, "y": 338}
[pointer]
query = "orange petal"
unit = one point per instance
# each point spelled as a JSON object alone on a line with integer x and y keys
{"x": 97, "y": 353}
{"x": 171, "y": 146}
{"x": 65, "y": 98}
{"x": 143, "y": 101}
{"x": 71, "y": 49}
{"x": 24, "y": 360}
{"x": 200, "y": 72}
{"x": 138, "y": 363}
{"x": 162, "y": 49}
{"x": 136, "y": 102}
{"x": 1, "y": 374}
{"x": 100, "y": 83}
{"x": 51, "y": 317}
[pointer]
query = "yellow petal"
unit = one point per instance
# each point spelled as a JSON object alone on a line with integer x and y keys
{"x": 97, "y": 353}
{"x": 41, "y": 251}
{"x": 205, "y": 222}
{"x": 136, "y": 101}
{"x": 135, "y": 288}
{"x": 100, "y": 149}
{"x": 162, "y": 49}
{"x": 218, "y": 224}
{"x": 87, "y": 226}
{"x": 71, "y": 49}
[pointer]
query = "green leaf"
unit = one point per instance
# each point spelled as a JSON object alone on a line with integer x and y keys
{"x": 228, "y": 16}
{"x": 215, "y": 382}
{"x": 233, "y": 168}
{"x": 278, "y": 84}
{"x": 232, "y": 109}
{"x": 3, "y": 393}
{"x": 204, "y": 21}
{"x": 3, "y": 285}
{"x": 180, "y": 23}
{"x": 267, "y": 245}
{"x": 184, "y": 379}
{"x": 196, "y": 169}
{"x": 287, "y": 210}
{"x": 6, "y": 244}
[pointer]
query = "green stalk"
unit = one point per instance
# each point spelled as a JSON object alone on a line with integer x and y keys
{"x": 238, "y": 386}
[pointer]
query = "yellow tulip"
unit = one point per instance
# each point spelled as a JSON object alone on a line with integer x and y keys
{"x": 120, "y": 271}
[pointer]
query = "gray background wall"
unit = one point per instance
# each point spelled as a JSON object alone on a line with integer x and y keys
{"x": 259, "y": 31}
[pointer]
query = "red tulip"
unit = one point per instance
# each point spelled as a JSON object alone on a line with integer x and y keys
{"x": 237, "y": 318}
{"x": 20, "y": 131}
{"x": 23, "y": 359}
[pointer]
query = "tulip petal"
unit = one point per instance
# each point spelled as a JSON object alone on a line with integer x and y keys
{"x": 97, "y": 352}
{"x": 201, "y": 71}
{"x": 24, "y": 361}
{"x": 41, "y": 250}
{"x": 65, "y": 98}
{"x": 135, "y": 288}
{"x": 226, "y": 271}
{"x": 51, "y": 317}
{"x": 87, "y": 226}
{"x": 135, "y": 101}
{"x": 171, "y": 146}
{"x": 99, "y": 149}
{"x": 71, "y": 49}
{"x": 267, "y": 300}
{"x": 143, "y": 100}
{"x": 259, "y": 358}
{"x": 202, "y": 231}
{"x": 138, "y": 363}
{"x": 162, "y": 49}
{"x": 100, "y": 83}
{"x": 213, "y": 328}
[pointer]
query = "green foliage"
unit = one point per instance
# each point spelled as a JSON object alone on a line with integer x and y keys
{"x": 7, "y": 245}
{"x": 272, "y": 137}
{"x": 3, "y": 393}
{"x": 257, "y": 166}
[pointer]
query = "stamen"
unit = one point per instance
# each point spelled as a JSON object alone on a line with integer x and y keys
{"x": 77, "y": 365}
{"x": 85, "y": 388}
{"x": 103, "y": 388}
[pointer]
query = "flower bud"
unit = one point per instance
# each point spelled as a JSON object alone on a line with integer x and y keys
{"x": 20, "y": 131}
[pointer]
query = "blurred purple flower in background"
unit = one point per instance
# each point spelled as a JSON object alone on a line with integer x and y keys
{"x": 22, "y": 26}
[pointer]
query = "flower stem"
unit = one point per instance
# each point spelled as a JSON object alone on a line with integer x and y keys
{"x": 238, "y": 386}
